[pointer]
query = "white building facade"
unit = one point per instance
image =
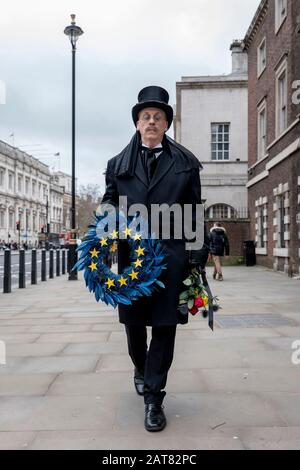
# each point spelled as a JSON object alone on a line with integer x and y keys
{"x": 212, "y": 121}
{"x": 29, "y": 199}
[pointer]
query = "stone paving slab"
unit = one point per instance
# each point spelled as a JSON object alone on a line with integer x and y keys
{"x": 34, "y": 349}
{"x": 24, "y": 385}
{"x": 73, "y": 337}
{"x": 283, "y": 343}
{"x": 268, "y": 359}
{"x": 252, "y": 380}
{"x": 58, "y": 328}
{"x": 287, "y": 405}
{"x": 50, "y": 364}
{"x": 57, "y": 413}
{"x": 95, "y": 348}
{"x": 16, "y": 440}
{"x": 274, "y": 438}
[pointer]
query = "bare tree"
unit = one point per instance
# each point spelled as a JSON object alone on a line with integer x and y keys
{"x": 89, "y": 197}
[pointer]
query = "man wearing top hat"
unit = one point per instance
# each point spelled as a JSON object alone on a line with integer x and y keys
{"x": 154, "y": 169}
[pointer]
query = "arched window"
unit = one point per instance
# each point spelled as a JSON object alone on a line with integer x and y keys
{"x": 220, "y": 211}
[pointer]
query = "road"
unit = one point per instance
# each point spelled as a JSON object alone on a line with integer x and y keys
{"x": 15, "y": 267}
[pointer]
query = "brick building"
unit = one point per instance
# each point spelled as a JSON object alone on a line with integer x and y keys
{"x": 272, "y": 43}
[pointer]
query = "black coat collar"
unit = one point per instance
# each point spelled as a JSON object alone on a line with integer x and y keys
{"x": 183, "y": 159}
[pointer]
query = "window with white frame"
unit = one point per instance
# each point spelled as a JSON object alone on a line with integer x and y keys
{"x": 261, "y": 57}
{"x": 262, "y": 130}
{"x": 261, "y": 225}
{"x": 220, "y": 141}
{"x": 281, "y": 219}
{"x": 220, "y": 211}
{"x": 280, "y": 13}
{"x": 33, "y": 188}
{"x": 281, "y": 99}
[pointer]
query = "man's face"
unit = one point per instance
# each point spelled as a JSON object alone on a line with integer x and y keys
{"x": 152, "y": 125}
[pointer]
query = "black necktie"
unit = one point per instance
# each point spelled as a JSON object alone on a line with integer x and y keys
{"x": 151, "y": 160}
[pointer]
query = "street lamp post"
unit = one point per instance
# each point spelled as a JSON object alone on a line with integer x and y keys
{"x": 73, "y": 31}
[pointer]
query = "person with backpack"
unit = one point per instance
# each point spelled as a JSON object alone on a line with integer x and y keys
{"x": 218, "y": 245}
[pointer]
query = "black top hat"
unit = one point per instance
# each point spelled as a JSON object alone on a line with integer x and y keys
{"x": 153, "y": 97}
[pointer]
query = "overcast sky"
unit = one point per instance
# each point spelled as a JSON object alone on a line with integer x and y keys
{"x": 127, "y": 44}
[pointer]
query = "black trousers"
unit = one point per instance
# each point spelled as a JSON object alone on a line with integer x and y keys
{"x": 155, "y": 362}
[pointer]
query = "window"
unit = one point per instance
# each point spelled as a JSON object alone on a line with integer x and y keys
{"x": 20, "y": 179}
{"x": 2, "y": 176}
{"x": 11, "y": 181}
{"x": 27, "y": 185}
{"x": 220, "y": 211}
{"x": 280, "y": 13}
{"x": 281, "y": 99}
{"x": 33, "y": 188}
{"x": 261, "y": 225}
{"x": 280, "y": 223}
{"x": 2, "y": 218}
{"x": 262, "y": 131}
{"x": 219, "y": 141}
{"x": 11, "y": 220}
{"x": 261, "y": 57}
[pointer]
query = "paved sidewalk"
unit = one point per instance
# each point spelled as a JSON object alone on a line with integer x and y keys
{"x": 67, "y": 382}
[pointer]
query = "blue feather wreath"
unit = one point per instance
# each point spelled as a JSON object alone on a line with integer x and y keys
{"x": 140, "y": 279}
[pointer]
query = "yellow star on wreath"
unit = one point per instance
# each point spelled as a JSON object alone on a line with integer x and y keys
{"x": 140, "y": 251}
{"x": 110, "y": 283}
{"x": 103, "y": 242}
{"x": 113, "y": 248}
{"x": 93, "y": 266}
{"x": 138, "y": 263}
{"x": 127, "y": 231}
{"x": 133, "y": 275}
{"x": 122, "y": 281}
{"x": 94, "y": 253}
{"x": 114, "y": 234}
{"x": 137, "y": 237}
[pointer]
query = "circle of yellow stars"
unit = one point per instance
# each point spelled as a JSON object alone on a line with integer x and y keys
{"x": 122, "y": 280}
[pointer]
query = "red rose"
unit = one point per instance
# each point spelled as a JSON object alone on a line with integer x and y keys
{"x": 194, "y": 310}
{"x": 198, "y": 302}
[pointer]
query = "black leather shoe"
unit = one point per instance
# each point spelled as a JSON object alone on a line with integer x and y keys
{"x": 155, "y": 419}
{"x": 138, "y": 380}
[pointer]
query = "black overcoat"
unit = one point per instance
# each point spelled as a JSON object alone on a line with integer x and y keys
{"x": 176, "y": 180}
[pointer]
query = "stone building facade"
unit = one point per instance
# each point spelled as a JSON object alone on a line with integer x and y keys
{"x": 211, "y": 119}
{"x": 28, "y": 196}
{"x": 272, "y": 43}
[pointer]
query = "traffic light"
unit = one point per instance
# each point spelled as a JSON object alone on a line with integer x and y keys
{"x": 18, "y": 225}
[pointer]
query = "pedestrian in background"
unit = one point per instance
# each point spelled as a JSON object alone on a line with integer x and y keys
{"x": 218, "y": 245}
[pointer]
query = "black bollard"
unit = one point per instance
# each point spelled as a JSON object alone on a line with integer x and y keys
{"x": 33, "y": 267}
{"x": 43, "y": 271}
{"x": 63, "y": 267}
{"x": 69, "y": 260}
{"x": 51, "y": 264}
{"x": 7, "y": 271}
{"x": 57, "y": 262}
{"x": 22, "y": 272}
